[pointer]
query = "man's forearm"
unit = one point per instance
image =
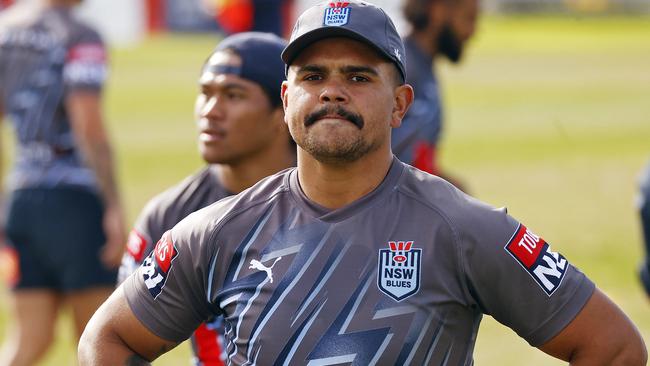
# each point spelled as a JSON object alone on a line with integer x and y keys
{"x": 100, "y": 158}
{"x": 103, "y": 349}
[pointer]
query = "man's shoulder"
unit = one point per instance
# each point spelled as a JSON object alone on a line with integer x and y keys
{"x": 444, "y": 199}
{"x": 258, "y": 197}
{"x": 201, "y": 185}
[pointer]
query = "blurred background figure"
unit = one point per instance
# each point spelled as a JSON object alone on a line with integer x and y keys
{"x": 273, "y": 16}
{"x": 227, "y": 16}
{"x": 64, "y": 223}
{"x": 644, "y": 211}
{"x": 242, "y": 138}
{"x": 438, "y": 28}
{"x": 5, "y": 4}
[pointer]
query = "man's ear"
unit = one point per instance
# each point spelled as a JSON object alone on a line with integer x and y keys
{"x": 403, "y": 100}
{"x": 285, "y": 97}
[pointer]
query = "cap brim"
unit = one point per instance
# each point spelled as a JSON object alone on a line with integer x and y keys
{"x": 299, "y": 44}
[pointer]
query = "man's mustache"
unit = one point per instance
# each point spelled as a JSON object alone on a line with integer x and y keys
{"x": 331, "y": 111}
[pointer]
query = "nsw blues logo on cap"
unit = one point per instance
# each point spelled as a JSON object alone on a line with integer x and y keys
{"x": 337, "y": 14}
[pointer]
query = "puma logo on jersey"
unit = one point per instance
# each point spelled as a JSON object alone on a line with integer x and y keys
{"x": 255, "y": 264}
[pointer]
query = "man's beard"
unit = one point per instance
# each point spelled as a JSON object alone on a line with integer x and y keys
{"x": 337, "y": 151}
{"x": 449, "y": 45}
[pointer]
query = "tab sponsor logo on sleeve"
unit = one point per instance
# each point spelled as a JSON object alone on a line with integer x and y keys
{"x": 86, "y": 64}
{"x": 545, "y": 266}
{"x": 158, "y": 264}
{"x": 399, "y": 270}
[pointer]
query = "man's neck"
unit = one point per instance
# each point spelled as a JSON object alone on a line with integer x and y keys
{"x": 337, "y": 185}
{"x": 241, "y": 175}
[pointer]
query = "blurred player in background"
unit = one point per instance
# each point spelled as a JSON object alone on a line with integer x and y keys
{"x": 354, "y": 257}
{"x": 234, "y": 16}
{"x": 64, "y": 223}
{"x": 644, "y": 211}
{"x": 242, "y": 137}
{"x": 438, "y": 28}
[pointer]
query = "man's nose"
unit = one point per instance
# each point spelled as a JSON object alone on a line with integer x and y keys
{"x": 334, "y": 92}
{"x": 212, "y": 108}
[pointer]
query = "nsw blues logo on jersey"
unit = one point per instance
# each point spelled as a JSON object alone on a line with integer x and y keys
{"x": 399, "y": 270}
{"x": 157, "y": 265}
{"x": 545, "y": 266}
{"x": 337, "y": 14}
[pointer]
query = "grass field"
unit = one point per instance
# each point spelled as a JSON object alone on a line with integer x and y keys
{"x": 548, "y": 116}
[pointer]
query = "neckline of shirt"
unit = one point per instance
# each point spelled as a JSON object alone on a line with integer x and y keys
{"x": 336, "y": 215}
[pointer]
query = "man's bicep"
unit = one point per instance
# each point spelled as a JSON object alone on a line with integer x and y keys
{"x": 138, "y": 337}
{"x": 114, "y": 335}
{"x": 600, "y": 334}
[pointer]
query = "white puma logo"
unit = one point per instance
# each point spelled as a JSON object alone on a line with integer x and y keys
{"x": 255, "y": 264}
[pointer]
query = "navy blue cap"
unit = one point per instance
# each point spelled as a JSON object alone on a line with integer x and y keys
{"x": 359, "y": 20}
{"x": 260, "y": 56}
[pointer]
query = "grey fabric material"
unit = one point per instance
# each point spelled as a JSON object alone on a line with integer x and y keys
{"x": 165, "y": 210}
{"x": 44, "y": 56}
{"x": 297, "y": 283}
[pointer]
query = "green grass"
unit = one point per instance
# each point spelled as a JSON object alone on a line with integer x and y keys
{"x": 547, "y": 116}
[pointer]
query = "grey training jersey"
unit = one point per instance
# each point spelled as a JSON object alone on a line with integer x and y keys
{"x": 165, "y": 210}
{"x": 401, "y": 276}
{"x": 45, "y": 55}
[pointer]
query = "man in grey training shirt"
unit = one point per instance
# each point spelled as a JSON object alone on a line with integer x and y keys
{"x": 243, "y": 138}
{"x": 354, "y": 257}
{"x": 65, "y": 225}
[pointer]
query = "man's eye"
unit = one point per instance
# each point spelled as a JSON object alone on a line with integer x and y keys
{"x": 234, "y": 96}
{"x": 359, "y": 79}
{"x": 313, "y": 77}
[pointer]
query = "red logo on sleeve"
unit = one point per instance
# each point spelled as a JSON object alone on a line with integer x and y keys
{"x": 88, "y": 52}
{"x": 136, "y": 245}
{"x": 525, "y": 246}
{"x": 165, "y": 252}
{"x": 545, "y": 266}
{"x": 155, "y": 268}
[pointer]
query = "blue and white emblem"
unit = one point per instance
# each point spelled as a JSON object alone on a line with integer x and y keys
{"x": 337, "y": 14}
{"x": 399, "y": 270}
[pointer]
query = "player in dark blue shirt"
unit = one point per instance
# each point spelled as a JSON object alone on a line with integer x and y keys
{"x": 438, "y": 28}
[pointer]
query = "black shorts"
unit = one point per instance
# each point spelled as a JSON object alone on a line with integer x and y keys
{"x": 57, "y": 234}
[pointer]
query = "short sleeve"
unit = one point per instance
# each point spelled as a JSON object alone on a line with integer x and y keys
{"x": 149, "y": 226}
{"x": 86, "y": 63}
{"x": 517, "y": 277}
{"x": 167, "y": 293}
